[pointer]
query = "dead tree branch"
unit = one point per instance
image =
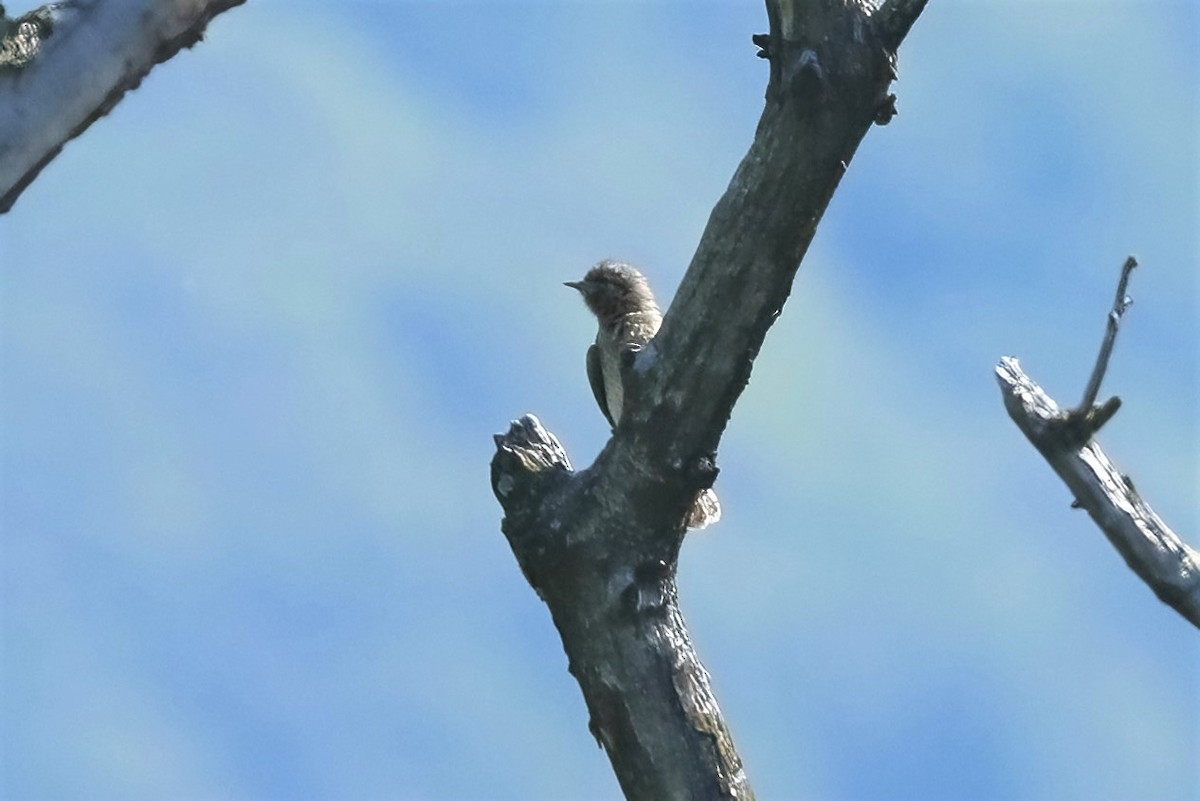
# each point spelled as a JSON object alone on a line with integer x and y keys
{"x": 1064, "y": 437}
{"x": 601, "y": 545}
{"x": 65, "y": 65}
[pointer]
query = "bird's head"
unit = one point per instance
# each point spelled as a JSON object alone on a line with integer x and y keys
{"x": 613, "y": 288}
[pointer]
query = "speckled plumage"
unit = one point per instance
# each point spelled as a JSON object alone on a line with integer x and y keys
{"x": 628, "y": 316}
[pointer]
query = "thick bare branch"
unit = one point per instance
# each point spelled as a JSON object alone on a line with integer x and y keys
{"x": 613, "y": 600}
{"x": 89, "y": 56}
{"x": 601, "y": 545}
{"x": 830, "y": 73}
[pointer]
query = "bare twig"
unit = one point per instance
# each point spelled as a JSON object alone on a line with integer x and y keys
{"x": 1120, "y": 305}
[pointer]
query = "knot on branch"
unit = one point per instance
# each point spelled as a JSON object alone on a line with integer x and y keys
{"x": 805, "y": 76}
{"x": 1082, "y": 423}
{"x": 702, "y": 472}
{"x": 650, "y": 592}
{"x": 763, "y": 42}
{"x": 886, "y": 110}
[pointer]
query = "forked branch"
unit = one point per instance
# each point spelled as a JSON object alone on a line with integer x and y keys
{"x": 601, "y": 545}
{"x": 1064, "y": 437}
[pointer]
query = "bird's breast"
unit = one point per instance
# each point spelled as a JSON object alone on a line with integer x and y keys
{"x": 628, "y": 332}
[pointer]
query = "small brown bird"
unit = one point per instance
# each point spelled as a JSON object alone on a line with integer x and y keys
{"x": 629, "y": 318}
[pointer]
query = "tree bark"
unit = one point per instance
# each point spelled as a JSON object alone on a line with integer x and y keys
{"x": 1168, "y": 565}
{"x": 601, "y": 545}
{"x": 70, "y": 63}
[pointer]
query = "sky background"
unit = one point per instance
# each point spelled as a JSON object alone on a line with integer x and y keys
{"x": 258, "y": 326}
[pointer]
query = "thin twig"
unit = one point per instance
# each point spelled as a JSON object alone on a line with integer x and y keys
{"x": 1120, "y": 305}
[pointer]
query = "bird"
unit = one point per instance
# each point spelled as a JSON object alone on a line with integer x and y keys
{"x": 629, "y": 317}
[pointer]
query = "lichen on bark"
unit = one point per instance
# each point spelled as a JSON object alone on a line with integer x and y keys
{"x": 21, "y": 37}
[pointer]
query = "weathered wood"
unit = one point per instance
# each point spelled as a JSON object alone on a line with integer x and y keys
{"x": 601, "y": 545}
{"x": 1168, "y": 565}
{"x": 88, "y": 55}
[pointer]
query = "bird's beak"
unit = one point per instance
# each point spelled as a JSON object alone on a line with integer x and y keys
{"x": 574, "y": 285}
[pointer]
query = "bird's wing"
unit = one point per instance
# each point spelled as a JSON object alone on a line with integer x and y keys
{"x": 596, "y": 379}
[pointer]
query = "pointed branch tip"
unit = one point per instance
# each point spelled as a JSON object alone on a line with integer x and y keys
{"x": 1120, "y": 305}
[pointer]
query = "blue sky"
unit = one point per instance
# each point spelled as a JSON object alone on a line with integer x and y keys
{"x": 257, "y": 327}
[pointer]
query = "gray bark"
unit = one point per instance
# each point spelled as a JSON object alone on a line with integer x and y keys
{"x": 1168, "y": 565}
{"x": 76, "y": 63}
{"x": 601, "y": 545}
